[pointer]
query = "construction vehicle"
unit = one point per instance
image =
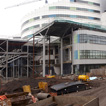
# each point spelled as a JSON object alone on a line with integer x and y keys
{"x": 83, "y": 78}
{"x": 50, "y": 76}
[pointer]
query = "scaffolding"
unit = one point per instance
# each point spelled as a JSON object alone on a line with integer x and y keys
{"x": 15, "y": 59}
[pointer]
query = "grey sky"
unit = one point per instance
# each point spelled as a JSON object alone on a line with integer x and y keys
{"x": 103, "y": 5}
{"x": 10, "y": 18}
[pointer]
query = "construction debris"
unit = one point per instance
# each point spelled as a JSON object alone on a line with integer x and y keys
{"x": 4, "y": 101}
{"x": 98, "y": 72}
{"x": 42, "y": 96}
{"x": 19, "y": 99}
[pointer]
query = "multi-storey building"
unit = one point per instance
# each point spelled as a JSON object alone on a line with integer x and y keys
{"x": 83, "y": 48}
{"x": 84, "y": 11}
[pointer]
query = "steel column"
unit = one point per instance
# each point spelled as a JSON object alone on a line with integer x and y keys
{"x": 7, "y": 60}
{"x": 18, "y": 69}
{"x": 27, "y": 61}
{"x": 44, "y": 56}
{"x": 72, "y": 51}
{"x": 61, "y": 56}
{"x": 49, "y": 57}
{"x": 33, "y": 55}
{"x": 13, "y": 70}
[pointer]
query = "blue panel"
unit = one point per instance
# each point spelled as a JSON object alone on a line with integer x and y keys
{"x": 76, "y": 54}
{"x": 30, "y": 36}
{"x": 52, "y": 15}
{"x": 73, "y": 16}
{"x": 78, "y": 39}
{"x": 90, "y": 10}
{"x": 91, "y": 18}
{"x": 72, "y": 0}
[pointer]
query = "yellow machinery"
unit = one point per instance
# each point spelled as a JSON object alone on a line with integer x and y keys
{"x": 83, "y": 77}
{"x": 27, "y": 88}
{"x": 50, "y": 76}
{"x": 43, "y": 86}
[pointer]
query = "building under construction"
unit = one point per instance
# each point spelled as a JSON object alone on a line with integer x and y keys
{"x": 63, "y": 47}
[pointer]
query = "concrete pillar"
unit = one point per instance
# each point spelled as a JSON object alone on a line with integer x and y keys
{"x": 61, "y": 56}
{"x": 44, "y": 56}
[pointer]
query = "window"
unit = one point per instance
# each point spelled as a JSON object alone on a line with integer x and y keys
{"x": 72, "y": 0}
{"x": 73, "y": 8}
{"x": 30, "y": 20}
{"x": 51, "y": 52}
{"x": 87, "y": 2}
{"x": 32, "y": 27}
{"x": 84, "y": 38}
{"x": 45, "y": 16}
{"x": 92, "y": 54}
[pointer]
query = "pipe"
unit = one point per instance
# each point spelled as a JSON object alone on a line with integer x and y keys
{"x": 42, "y": 96}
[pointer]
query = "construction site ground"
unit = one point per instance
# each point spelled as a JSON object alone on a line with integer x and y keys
{"x": 98, "y": 87}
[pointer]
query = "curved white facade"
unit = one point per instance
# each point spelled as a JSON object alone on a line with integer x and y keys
{"x": 84, "y": 11}
{"x": 103, "y": 19}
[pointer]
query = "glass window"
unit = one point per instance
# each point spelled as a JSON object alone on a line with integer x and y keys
{"x": 29, "y": 28}
{"x": 30, "y": 20}
{"x": 92, "y": 54}
{"x": 52, "y": 7}
{"x": 92, "y": 39}
{"x": 87, "y": 2}
{"x": 72, "y": 0}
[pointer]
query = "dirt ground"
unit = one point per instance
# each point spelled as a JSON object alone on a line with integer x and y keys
{"x": 16, "y": 85}
{"x": 98, "y": 87}
{"x": 98, "y": 90}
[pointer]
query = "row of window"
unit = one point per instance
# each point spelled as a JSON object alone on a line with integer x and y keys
{"x": 93, "y": 39}
{"x": 73, "y": 8}
{"x": 70, "y": 16}
{"x": 86, "y": 2}
{"x": 61, "y": 7}
{"x": 32, "y": 19}
{"x": 32, "y": 27}
{"x": 92, "y": 54}
{"x": 89, "y": 54}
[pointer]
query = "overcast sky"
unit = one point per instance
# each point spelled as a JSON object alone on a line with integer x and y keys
{"x": 10, "y": 19}
{"x": 103, "y": 5}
